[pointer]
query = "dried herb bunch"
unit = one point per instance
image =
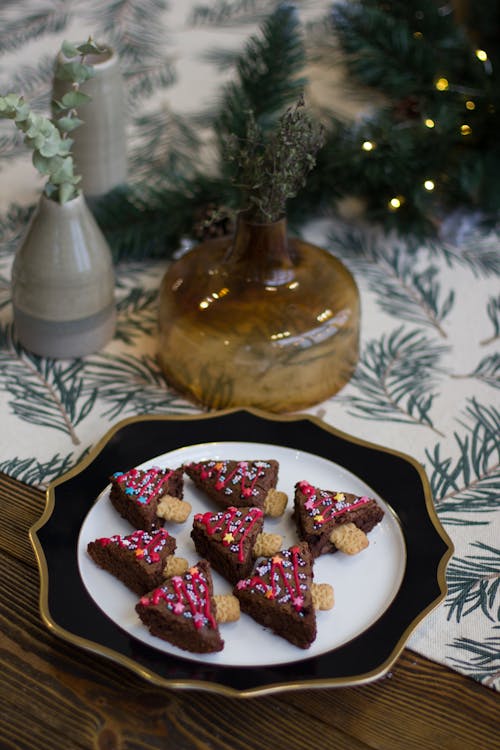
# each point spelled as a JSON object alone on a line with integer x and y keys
{"x": 272, "y": 169}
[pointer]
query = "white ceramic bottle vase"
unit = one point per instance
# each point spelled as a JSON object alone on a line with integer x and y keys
{"x": 99, "y": 144}
{"x": 63, "y": 282}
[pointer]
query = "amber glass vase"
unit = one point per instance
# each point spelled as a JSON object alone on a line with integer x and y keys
{"x": 259, "y": 319}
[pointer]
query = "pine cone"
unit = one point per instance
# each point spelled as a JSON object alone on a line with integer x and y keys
{"x": 212, "y": 221}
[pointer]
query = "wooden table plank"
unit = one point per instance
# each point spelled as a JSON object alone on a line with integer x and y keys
{"x": 55, "y": 695}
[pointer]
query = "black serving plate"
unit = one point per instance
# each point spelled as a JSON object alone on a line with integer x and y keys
{"x": 69, "y": 611}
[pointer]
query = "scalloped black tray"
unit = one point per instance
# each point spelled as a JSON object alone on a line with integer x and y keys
{"x": 68, "y": 610}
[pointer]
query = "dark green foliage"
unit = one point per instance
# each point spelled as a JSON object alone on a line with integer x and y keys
{"x": 401, "y": 49}
{"x": 267, "y": 75}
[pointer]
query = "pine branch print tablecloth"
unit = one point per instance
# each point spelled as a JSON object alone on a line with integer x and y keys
{"x": 427, "y": 382}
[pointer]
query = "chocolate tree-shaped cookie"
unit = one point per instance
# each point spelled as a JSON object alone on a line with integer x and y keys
{"x": 182, "y": 611}
{"x": 329, "y": 520}
{"x": 136, "y": 494}
{"x": 278, "y": 594}
{"x": 236, "y": 483}
{"x": 231, "y": 539}
{"x": 138, "y": 559}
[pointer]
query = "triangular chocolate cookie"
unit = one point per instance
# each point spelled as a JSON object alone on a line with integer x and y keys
{"x": 182, "y": 611}
{"x": 236, "y": 483}
{"x": 278, "y": 595}
{"x": 317, "y": 512}
{"x": 227, "y": 539}
{"x": 137, "y": 559}
{"x": 136, "y": 493}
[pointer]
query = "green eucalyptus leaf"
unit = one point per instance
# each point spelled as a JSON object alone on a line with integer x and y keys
{"x": 42, "y": 163}
{"x": 74, "y": 99}
{"x": 64, "y": 173}
{"x": 22, "y": 113}
{"x": 50, "y": 190}
{"x": 57, "y": 105}
{"x": 67, "y": 124}
{"x": 51, "y": 146}
{"x": 65, "y": 146}
{"x": 69, "y": 49}
{"x": 91, "y": 48}
{"x": 74, "y": 71}
{"x": 9, "y": 104}
{"x": 66, "y": 191}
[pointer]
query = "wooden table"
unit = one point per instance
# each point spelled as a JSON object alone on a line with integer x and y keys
{"x": 55, "y": 696}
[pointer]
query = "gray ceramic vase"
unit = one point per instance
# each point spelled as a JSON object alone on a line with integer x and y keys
{"x": 63, "y": 282}
{"x": 99, "y": 144}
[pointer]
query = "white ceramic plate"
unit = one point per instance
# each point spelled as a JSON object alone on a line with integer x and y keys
{"x": 364, "y": 584}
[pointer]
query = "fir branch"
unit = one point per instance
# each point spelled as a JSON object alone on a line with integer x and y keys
{"x": 484, "y": 666}
{"x": 149, "y": 221}
{"x": 395, "y": 375}
{"x": 486, "y": 371}
{"x": 468, "y": 486}
{"x": 51, "y": 17}
{"x": 131, "y": 385}
{"x": 43, "y": 391}
{"x": 267, "y": 75}
{"x": 493, "y": 310}
{"x": 474, "y": 583}
{"x": 396, "y": 51}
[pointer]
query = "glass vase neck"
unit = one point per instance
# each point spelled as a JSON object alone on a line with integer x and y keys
{"x": 262, "y": 252}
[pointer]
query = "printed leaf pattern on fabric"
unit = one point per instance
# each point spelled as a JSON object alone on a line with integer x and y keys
{"x": 474, "y": 582}
{"x": 466, "y": 488}
{"x": 44, "y": 392}
{"x": 395, "y": 375}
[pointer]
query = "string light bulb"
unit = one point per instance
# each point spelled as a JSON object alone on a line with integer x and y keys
{"x": 429, "y": 185}
{"x": 442, "y": 84}
{"x": 465, "y": 129}
{"x": 469, "y": 104}
{"x": 368, "y": 146}
{"x": 481, "y": 55}
{"x": 395, "y": 203}
{"x": 429, "y": 122}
